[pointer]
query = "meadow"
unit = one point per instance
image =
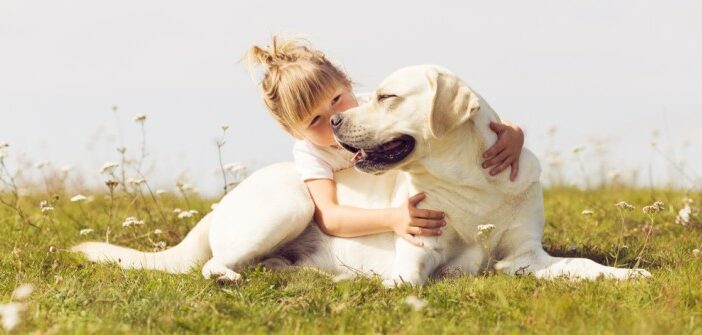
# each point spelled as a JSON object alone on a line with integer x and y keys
{"x": 45, "y": 289}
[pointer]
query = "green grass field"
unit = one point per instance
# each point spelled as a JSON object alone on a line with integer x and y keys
{"x": 73, "y": 296}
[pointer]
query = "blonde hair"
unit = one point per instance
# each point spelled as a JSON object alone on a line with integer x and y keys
{"x": 297, "y": 78}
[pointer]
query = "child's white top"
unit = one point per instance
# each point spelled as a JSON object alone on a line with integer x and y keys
{"x": 315, "y": 162}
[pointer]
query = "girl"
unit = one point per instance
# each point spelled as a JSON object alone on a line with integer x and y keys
{"x": 302, "y": 89}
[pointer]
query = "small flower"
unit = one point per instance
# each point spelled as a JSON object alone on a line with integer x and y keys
{"x": 22, "y": 292}
{"x": 108, "y": 167}
{"x": 625, "y": 206}
{"x": 140, "y": 118}
{"x": 586, "y": 212}
{"x": 177, "y": 210}
{"x": 683, "y": 217}
{"x": 696, "y": 252}
{"x": 85, "y": 231}
{"x": 78, "y": 198}
{"x": 213, "y": 206}
{"x": 225, "y": 127}
{"x": 485, "y": 229}
{"x": 656, "y": 208}
{"x": 136, "y": 181}
{"x": 45, "y": 207}
{"x": 131, "y": 220}
{"x": 111, "y": 184}
{"x": 416, "y": 303}
{"x": 121, "y": 150}
{"x": 10, "y": 313}
{"x": 161, "y": 192}
{"x": 66, "y": 168}
{"x": 187, "y": 214}
{"x": 157, "y": 232}
{"x": 576, "y": 149}
{"x": 52, "y": 249}
{"x": 160, "y": 246}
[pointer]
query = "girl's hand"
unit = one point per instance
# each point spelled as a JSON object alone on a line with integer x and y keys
{"x": 409, "y": 221}
{"x": 505, "y": 152}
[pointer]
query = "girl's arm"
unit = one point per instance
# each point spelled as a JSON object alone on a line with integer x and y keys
{"x": 346, "y": 221}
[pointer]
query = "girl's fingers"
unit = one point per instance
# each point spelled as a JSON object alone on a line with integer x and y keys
{"x": 500, "y": 167}
{"x": 416, "y": 199}
{"x": 497, "y": 127}
{"x": 515, "y": 170}
{"x": 426, "y": 214}
{"x": 494, "y": 150}
{"x": 412, "y": 239}
{"x": 423, "y": 231}
{"x": 495, "y": 160}
{"x": 424, "y": 223}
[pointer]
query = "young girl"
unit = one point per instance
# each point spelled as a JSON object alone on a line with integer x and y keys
{"x": 303, "y": 90}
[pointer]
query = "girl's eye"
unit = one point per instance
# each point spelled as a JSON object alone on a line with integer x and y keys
{"x": 336, "y": 99}
{"x": 314, "y": 120}
{"x": 382, "y": 97}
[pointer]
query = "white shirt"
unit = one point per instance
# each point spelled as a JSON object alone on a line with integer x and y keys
{"x": 315, "y": 162}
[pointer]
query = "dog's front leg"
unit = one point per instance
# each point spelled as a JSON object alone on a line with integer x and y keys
{"x": 413, "y": 264}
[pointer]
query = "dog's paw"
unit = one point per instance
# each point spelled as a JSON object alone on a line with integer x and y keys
{"x": 223, "y": 275}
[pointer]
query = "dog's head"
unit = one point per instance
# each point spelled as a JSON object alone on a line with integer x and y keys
{"x": 411, "y": 108}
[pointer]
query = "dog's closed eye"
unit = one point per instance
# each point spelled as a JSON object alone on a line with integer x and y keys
{"x": 382, "y": 97}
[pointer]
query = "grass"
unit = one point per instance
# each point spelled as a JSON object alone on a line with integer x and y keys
{"x": 74, "y": 296}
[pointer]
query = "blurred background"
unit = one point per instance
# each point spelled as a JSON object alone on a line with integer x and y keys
{"x": 607, "y": 92}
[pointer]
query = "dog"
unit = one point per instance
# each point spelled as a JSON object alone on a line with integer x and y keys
{"x": 423, "y": 130}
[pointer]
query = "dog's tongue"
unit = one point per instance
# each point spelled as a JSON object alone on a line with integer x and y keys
{"x": 360, "y": 154}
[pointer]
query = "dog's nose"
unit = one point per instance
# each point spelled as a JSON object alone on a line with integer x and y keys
{"x": 336, "y": 121}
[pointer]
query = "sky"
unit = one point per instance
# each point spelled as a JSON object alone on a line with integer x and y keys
{"x": 604, "y": 75}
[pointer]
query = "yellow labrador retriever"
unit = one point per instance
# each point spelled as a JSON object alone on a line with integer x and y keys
{"x": 424, "y": 130}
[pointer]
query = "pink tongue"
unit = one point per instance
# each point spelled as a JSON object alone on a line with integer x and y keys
{"x": 358, "y": 156}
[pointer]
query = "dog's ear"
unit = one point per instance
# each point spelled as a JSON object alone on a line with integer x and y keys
{"x": 453, "y": 103}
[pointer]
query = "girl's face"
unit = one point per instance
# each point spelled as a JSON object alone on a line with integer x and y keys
{"x": 317, "y": 127}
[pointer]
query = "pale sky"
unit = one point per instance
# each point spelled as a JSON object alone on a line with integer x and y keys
{"x": 612, "y": 70}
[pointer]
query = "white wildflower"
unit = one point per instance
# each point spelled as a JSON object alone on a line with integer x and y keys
{"x": 416, "y": 303}
{"x": 683, "y": 217}
{"x": 52, "y": 249}
{"x": 655, "y": 208}
{"x": 131, "y": 220}
{"x": 213, "y": 206}
{"x": 66, "y": 168}
{"x": 576, "y": 149}
{"x": 160, "y": 246}
{"x": 625, "y": 206}
{"x": 22, "y": 292}
{"x": 78, "y": 198}
{"x": 587, "y": 212}
{"x": 696, "y": 252}
{"x": 45, "y": 207}
{"x": 157, "y": 232}
{"x": 161, "y": 192}
{"x": 136, "y": 181}
{"x": 187, "y": 214}
{"x": 140, "y": 118}
{"x": 225, "y": 127}
{"x": 108, "y": 167}
{"x": 485, "y": 229}
{"x": 10, "y": 313}
{"x": 85, "y": 231}
{"x": 177, "y": 210}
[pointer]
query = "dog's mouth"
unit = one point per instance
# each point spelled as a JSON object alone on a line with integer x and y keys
{"x": 383, "y": 155}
